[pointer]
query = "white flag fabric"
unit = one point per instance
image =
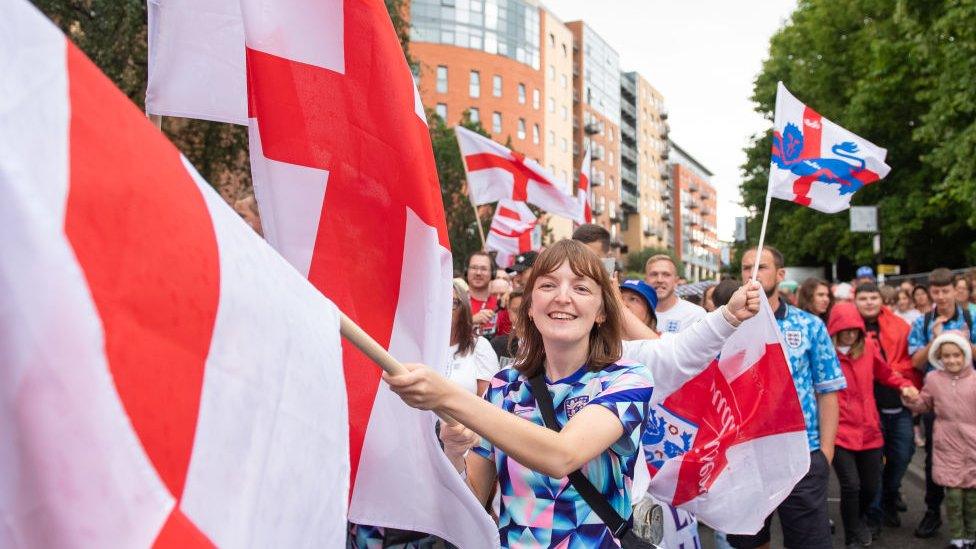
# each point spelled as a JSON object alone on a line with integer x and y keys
{"x": 495, "y": 173}
{"x": 167, "y": 378}
{"x": 347, "y": 189}
{"x": 817, "y": 163}
{"x": 511, "y": 229}
{"x": 730, "y": 444}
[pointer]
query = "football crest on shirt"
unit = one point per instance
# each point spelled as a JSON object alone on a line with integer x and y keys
{"x": 673, "y": 326}
{"x": 794, "y": 338}
{"x": 574, "y": 405}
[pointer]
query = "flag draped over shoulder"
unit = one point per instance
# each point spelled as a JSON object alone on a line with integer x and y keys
{"x": 817, "y": 163}
{"x": 161, "y": 363}
{"x": 511, "y": 229}
{"x": 497, "y": 173}
{"x": 731, "y": 443}
{"x": 347, "y": 189}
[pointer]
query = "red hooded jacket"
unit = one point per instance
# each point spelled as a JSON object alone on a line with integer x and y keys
{"x": 894, "y": 341}
{"x": 860, "y": 426}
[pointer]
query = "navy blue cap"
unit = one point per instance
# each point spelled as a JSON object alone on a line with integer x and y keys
{"x": 643, "y": 288}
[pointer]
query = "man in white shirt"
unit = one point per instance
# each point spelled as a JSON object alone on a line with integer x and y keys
{"x": 673, "y": 314}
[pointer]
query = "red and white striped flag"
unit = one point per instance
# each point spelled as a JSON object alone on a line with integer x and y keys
{"x": 731, "y": 443}
{"x": 168, "y": 379}
{"x": 817, "y": 163}
{"x": 583, "y": 188}
{"x": 495, "y": 173}
{"x": 348, "y": 192}
{"x": 511, "y": 229}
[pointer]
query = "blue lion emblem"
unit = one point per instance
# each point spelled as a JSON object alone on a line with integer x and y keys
{"x": 665, "y": 437}
{"x": 786, "y": 155}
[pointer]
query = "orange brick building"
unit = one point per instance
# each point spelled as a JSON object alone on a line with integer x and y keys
{"x": 694, "y": 208}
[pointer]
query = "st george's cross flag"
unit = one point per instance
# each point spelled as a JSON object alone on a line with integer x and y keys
{"x": 817, "y": 163}
{"x": 730, "y": 444}
{"x": 347, "y": 189}
{"x": 510, "y": 232}
{"x": 496, "y": 172}
{"x": 583, "y": 188}
{"x": 167, "y": 378}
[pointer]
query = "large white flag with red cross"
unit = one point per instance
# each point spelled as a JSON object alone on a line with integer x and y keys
{"x": 511, "y": 230}
{"x": 496, "y": 172}
{"x": 348, "y": 192}
{"x": 817, "y": 163}
{"x": 167, "y": 378}
{"x": 731, "y": 443}
{"x": 583, "y": 188}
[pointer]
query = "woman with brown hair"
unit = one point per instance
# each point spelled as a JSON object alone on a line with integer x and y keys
{"x": 569, "y": 326}
{"x": 814, "y": 297}
{"x": 473, "y": 360}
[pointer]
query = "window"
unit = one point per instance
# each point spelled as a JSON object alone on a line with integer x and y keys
{"x": 565, "y": 113}
{"x": 496, "y": 85}
{"x": 611, "y": 158}
{"x": 552, "y": 138}
{"x": 521, "y": 94}
{"x": 552, "y": 73}
{"x": 474, "y": 114}
{"x": 441, "y": 79}
{"x": 564, "y": 80}
{"x": 496, "y": 122}
{"x": 536, "y": 99}
{"x": 441, "y": 110}
{"x": 474, "y": 84}
{"x": 564, "y": 145}
{"x": 552, "y": 39}
{"x": 535, "y": 134}
{"x": 552, "y": 104}
{"x": 565, "y": 51}
{"x": 521, "y": 128}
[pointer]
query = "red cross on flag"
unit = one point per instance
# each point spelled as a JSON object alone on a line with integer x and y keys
{"x": 583, "y": 188}
{"x": 495, "y": 172}
{"x": 510, "y": 233}
{"x": 347, "y": 188}
{"x": 731, "y": 443}
{"x": 817, "y": 163}
{"x": 167, "y": 378}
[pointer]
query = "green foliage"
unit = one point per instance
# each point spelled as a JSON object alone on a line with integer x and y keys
{"x": 903, "y": 75}
{"x": 637, "y": 260}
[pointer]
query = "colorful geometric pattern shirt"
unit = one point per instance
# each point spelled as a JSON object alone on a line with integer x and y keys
{"x": 919, "y": 337}
{"x": 541, "y": 511}
{"x": 813, "y": 362}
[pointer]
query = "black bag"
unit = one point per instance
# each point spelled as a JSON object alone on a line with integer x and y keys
{"x": 619, "y": 527}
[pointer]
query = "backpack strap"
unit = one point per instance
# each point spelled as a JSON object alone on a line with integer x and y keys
{"x": 597, "y": 501}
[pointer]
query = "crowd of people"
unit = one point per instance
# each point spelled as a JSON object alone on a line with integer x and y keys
{"x": 878, "y": 369}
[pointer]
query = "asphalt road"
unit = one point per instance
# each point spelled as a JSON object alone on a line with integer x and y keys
{"x": 913, "y": 492}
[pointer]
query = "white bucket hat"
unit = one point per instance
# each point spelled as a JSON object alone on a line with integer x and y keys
{"x": 950, "y": 337}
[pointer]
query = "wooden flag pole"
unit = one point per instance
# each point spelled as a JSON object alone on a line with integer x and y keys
{"x": 369, "y": 347}
{"x": 762, "y": 234}
{"x": 477, "y": 217}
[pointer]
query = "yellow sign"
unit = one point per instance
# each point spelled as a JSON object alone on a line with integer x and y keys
{"x": 889, "y": 269}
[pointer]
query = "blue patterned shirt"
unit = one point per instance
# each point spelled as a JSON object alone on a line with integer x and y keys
{"x": 541, "y": 511}
{"x": 813, "y": 362}
{"x": 918, "y": 338}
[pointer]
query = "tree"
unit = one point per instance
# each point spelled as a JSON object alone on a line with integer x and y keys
{"x": 882, "y": 71}
{"x": 637, "y": 260}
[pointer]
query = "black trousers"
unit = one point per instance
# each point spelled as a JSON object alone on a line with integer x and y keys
{"x": 859, "y": 473}
{"x": 934, "y": 494}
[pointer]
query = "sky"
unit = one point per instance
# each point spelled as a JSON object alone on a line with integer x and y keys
{"x": 703, "y": 56}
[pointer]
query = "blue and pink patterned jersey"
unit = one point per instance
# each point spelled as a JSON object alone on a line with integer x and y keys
{"x": 541, "y": 511}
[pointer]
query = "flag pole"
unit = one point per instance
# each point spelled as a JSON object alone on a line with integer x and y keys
{"x": 156, "y": 119}
{"x": 375, "y": 352}
{"x": 477, "y": 217}
{"x": 762, "y": 232}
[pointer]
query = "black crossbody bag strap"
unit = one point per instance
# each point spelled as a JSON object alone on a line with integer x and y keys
{"x": 597, "y": 501}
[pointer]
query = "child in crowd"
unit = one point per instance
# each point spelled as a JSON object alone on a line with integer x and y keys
{"x": 950, "y": 391}
{"x": 857, "y": 457}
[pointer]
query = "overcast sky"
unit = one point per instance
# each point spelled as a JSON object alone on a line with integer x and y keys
{"x": 703, "y": 55}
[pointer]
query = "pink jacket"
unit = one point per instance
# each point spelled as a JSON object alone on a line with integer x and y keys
{"x": 953, "y": 397}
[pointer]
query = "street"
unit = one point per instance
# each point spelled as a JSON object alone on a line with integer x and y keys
{"x": 913, "y": 492}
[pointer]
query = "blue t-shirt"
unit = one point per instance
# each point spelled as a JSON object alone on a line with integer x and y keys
{"x": 541, "y": 511}
{"x": 813, "y": 363}
{"x": 919, "y": 337}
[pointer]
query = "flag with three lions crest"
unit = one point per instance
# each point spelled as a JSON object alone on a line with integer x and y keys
{"x": 817, "y": 163}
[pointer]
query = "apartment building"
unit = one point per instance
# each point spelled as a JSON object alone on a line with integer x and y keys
{"x": 694, "y": 210}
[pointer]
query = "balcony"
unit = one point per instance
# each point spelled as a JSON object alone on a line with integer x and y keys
{"x": 597, "y": 179}
{"x": 665, "y": 216}
{"x": 664, "y": 114}
{"x": 665, "y": 155}
{"x": 627, "y": 108}
{"x": 692, "y": 205}
{"x": 576, "y": 96}
{"x": 628, "y": 85}
{"x": 630, "y": 199}
{"x": 628, "y": 154}
{"x": 593, "y": 128}
{"x": 692, "y": 186}
{"x": 595, "y": 153}
{"x": 627, "y": 132}
{"x": 628, "y": 175}
{"x": 705, "y": 195}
